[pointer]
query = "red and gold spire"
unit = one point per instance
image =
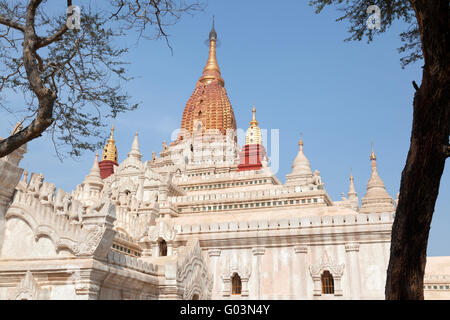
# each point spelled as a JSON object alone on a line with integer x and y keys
{"x": 109, "y": 157}
{"x": 253, "y": 152}
{"x": 110, "y": 150}
{"x": 253, "y": 135}
{"x": 209, "y": 106}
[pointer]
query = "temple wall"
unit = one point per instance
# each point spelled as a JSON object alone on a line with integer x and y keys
{"x": 373, "y": 261}
{"x": 285, "y": 274}
{"x": 288, "y": 265}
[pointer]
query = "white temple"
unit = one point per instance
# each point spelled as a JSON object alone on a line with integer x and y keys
{"x": 205, "y": 219}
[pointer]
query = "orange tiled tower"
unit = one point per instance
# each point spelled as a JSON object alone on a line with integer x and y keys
{"x": 208, "y": 106}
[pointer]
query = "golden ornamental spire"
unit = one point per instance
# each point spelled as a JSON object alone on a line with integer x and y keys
{"x": 110, "y": 150}
{"x": 212, "y": 70}
{"x": 253, "y": 135}
{"x": 300, "y": 142}
{"x": 372, "y": 154}
{"x": 254, "y": 123}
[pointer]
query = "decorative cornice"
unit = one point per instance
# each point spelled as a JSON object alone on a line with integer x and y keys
{"x": 286, "y": 223}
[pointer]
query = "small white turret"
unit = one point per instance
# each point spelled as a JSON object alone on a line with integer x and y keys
{"x": 93, "y": 183}
{"x": 134, "y": 152}
{"x": 352, "y": 195}
{"x": 301, "y": 173}
{"x": 376, "y": 199}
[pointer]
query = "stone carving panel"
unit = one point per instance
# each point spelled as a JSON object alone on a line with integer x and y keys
{"x": 193, "y": 276}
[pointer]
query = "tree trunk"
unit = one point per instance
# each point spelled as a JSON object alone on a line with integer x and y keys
{"x": 425, "y": 163}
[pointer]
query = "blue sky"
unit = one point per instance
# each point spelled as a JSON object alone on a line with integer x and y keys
{"x": 294, "y": 66}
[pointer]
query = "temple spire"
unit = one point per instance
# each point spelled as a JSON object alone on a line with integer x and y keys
{"x": 110, "y": 150}
{"x": 254, "y": 123}
{"x": 373, "y": 157}
{"x": 352, "y": 195}
{"x": 92, "y": 184}
{"x": 212, "y": 33}
{"x": 94, "y": 176}
{"x": 212, "y": 71}
{"x": 301, "y": 165}
{"x": 351, "y": 189}
{"x": 208, "y": 109}
{"x": 376, "y": 198}
{"x": 95, "y": 170}
{"x": 300, "y": 142}
{"x": 253, "y": 152}
{"x": 253, "y": 135}
{"x": 134, "y": 152}
{"x": 111, "y": 135}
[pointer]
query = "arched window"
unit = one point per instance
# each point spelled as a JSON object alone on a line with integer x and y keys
{"x": 236, "y": 285}
{"x": 327, "y": 283}
{"x": 162, "y": 248}
{"x": 195, "y": 297}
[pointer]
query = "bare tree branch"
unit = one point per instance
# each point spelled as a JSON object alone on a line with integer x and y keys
{"x": 8, "y": 22}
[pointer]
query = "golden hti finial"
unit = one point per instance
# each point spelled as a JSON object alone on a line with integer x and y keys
{"x": 212, "y": 33}
{"x": 372, "y": 154}
{"x": 373, "y": 159}
{"x": 111, "y": 135}
{"x": 300, "y": 142}
{"x": 212, "y": 70}
{"x": 253, "y": 123}
{"x": 110, "y": 150}
{"x": 351, "y": 175}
